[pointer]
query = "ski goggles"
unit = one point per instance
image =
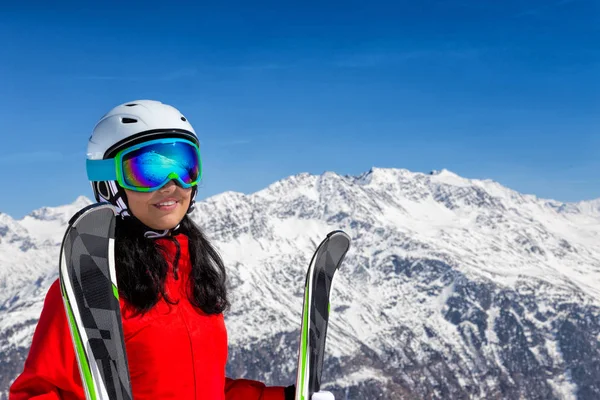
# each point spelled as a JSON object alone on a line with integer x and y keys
{"x": 148, "y": 166}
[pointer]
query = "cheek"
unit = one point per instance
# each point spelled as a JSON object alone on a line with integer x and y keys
{"x": 138, "y": 202}
{"x": 187, "y": 196}
{"x": 136, "y": 206}
{"x": 185, "y": 203}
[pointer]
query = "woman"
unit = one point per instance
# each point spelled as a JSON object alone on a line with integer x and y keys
{"x": 172, "y": 282}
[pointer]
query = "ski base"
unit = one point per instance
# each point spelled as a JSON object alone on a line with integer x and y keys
{"x": 315, "y": 314}
{"x": 91, "y": 299}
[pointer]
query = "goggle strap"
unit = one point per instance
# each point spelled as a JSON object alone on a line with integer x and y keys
{"x": 101, "y": 170}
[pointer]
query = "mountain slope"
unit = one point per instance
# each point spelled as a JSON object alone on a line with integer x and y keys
{"x": 453, "y": 288}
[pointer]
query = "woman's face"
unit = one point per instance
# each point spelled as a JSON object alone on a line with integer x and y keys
{"x": 161, "y": 209}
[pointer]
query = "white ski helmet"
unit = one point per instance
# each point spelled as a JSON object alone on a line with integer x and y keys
{"x": 129, "y": 124}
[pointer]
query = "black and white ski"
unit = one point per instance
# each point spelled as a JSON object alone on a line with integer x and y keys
{"x": 91, "y": 298}
{"x": 315, "y": 314}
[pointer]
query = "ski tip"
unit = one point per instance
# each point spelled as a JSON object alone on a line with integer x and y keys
{"x": 339, "y": 239}
{"x": 337, "y": 232}
{"x": 89, "y": 207}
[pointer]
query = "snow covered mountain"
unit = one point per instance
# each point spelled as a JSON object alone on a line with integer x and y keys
{"x": 453, "y": 288}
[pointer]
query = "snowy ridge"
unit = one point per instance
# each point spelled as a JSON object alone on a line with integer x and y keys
{"x": 453, "y": 287}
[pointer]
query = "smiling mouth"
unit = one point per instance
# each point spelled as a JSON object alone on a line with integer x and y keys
{"x": 166, "y": 205}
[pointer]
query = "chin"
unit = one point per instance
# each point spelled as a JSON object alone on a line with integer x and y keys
{"x": 170, "y": 225}
{"x": 169, "y": 222}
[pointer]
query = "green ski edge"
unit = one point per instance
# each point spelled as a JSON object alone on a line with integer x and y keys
{"x": 87, "y": 374}
{"x": 304, "y": 343}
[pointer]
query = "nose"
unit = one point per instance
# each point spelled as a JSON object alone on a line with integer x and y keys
{"x": 169, "y": 186}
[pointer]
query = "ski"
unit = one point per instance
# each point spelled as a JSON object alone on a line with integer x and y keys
{"x": 315, "y": 314}
{"x": 91, "y": 299}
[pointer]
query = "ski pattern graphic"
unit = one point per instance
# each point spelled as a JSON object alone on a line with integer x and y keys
{"x": 315, "y": 314}
{"x": 91, "y": 299}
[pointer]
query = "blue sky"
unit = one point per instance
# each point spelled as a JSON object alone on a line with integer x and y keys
{"x": 503, "y": 90}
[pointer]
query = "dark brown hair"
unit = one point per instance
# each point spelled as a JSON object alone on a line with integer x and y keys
{"x": 142, "y": 269}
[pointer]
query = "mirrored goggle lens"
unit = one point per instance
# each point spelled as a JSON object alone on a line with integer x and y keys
{"x": 150, "y": 166}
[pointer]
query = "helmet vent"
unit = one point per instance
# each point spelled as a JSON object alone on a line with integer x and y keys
{"x": 183, "y": 119}
{"x": 130, "y": 105}
{"x": 103, "y": 189}
{"x": 129, "y": 120}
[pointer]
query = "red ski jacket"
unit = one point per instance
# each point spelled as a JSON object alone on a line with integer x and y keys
{"x": 174, "y": 351}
